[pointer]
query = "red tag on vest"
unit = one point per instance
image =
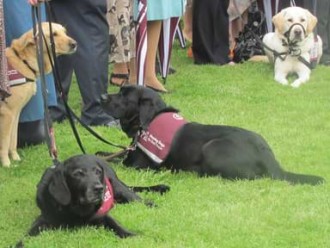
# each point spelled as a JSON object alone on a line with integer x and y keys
{"x": 157, "y": 139}
{"x": 108, "y": 199}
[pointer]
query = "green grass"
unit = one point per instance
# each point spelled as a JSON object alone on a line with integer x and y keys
{"x": 203, "y": 212}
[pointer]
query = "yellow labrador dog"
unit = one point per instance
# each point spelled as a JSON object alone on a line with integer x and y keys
{"x": 290, "y": 46}
{"x": 21, "y": 55}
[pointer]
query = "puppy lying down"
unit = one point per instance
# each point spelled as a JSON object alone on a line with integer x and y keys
{"x": 291, "y": 47}
{"x": 81, "y": 191}
{"x": 164, "y": 139}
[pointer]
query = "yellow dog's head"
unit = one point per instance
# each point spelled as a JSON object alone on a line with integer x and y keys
{"x": 22, "y": 52}
{"x": 294, "y": 23}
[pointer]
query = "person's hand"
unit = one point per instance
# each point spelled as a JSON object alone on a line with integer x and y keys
{"x": 34, "y": 2}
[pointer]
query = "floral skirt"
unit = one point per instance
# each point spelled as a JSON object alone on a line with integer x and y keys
{"x": 121, "y": 31}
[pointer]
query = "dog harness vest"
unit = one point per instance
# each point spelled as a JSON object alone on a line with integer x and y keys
{"x": 108, "y": 199}
{"x": 156, "y": 141}
{"x": 15, "y": 78}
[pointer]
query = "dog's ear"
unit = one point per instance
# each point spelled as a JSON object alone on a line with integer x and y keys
{"x": 16, "y": 47}
{"x": 279, "y": 21}
{"x": 150, "y": 103}
{"x": 24, "y": 41}
{"x": 311, "y": 22}
{"x": 58, "y": 187}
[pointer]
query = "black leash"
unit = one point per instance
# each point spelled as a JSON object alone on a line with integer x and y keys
{"x": 38, "y": 37}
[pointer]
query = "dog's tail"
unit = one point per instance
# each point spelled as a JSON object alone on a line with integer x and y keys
{"x": 301, "y": 178}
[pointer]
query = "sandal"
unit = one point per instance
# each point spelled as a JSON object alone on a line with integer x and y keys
{"x": 120, "y": 76}
{"x": 157, "y": 90}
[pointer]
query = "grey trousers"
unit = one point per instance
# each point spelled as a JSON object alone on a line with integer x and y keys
{"x": 85, "y": 21}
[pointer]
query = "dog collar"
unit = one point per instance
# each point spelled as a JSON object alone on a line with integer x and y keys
{"x": 156, "y": 141}
{"x": 108, "y": 199}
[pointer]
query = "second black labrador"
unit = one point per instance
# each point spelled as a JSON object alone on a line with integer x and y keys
{"x": 80, "y": 191}
{"x": 212, "y": 150}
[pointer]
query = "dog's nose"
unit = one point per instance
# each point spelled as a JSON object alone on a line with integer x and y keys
{"x": 73, "y": 45}
{"x": 98, "y": 188}
{"x": 297, "y": 32}
{"x": 104, "y": 98}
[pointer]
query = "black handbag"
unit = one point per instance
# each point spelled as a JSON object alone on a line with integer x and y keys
{"x": 248, "y": 42}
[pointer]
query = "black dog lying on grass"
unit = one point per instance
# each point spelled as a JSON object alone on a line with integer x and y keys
{"x": 212, "y": 150}
{"x": 80, "y": 191}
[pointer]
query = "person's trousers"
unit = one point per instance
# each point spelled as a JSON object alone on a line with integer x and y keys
{"x": 323, "y": 25}
{"x": 210, "y": 32}
{"x": 85, "y": 21}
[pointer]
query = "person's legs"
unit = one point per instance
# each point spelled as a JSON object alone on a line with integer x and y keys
{"x": 118, "y": 17}
{"x": 132, "y": 71}
{"x": 323, "y": 28}
{"x": 153, "y": 33}
{"x": 119, "y": 74}
{"x": 86, "y": 23}
{"x": 187, "y": 21}
{"x": 210, "y": 32}
{"x": 65, "y": 68}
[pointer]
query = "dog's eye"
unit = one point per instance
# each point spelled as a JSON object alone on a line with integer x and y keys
{"x": 98, "y": 171}
{"x": 55, "y": 34}
{"x": 290, "y": 20}
{"x": 78, "y": 173}
{"x": 302, "y": 20}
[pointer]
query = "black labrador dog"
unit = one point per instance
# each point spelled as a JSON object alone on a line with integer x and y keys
{"x": 80, "y": 191}
{"x": 209, "y": 150}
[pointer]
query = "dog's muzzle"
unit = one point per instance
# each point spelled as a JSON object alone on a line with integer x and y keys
{"x": 296, "y": 32}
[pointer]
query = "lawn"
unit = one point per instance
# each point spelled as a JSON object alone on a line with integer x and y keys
{"x": 202, "y": 212}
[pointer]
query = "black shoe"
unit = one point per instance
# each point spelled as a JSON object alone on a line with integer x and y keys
{"x": 31, "y": 133}
{"x": 57, "y": 115}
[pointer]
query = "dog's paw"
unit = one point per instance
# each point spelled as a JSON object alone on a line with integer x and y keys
{"x": 281, "y": 78}
{"x": 149, "y": 203}
{"x": 283, "y": 81}
{"x": 5, "y": 162}
{"x": 18, "y": 245}
{"x": 15, "y": 156}
{"x": 161, "y": 188}
{"x": 296, "y": 83}
{"x": 125, "y": 234}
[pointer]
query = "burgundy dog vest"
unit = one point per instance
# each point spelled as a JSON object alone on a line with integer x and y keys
{"x": 156, "y": 141}
{"x": 108, "y": 200}
{"x": 15, "y": 78}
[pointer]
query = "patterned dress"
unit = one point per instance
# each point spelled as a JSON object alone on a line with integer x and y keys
{"x": 121, "y": 31}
